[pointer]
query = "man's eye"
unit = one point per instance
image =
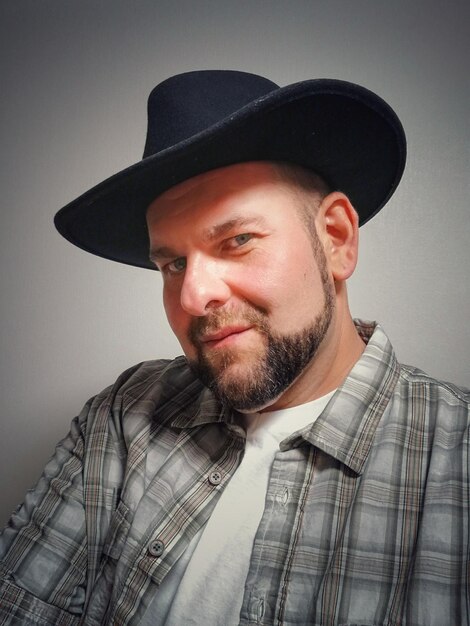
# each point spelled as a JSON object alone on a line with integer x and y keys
{"x": 177, "y": 266}
{"x": 240, "y": 240}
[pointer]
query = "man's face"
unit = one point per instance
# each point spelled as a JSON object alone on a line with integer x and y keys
{"x": 246, "y": 287}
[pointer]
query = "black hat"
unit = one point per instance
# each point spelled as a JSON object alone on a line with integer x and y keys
{"x": 208, "y": 119}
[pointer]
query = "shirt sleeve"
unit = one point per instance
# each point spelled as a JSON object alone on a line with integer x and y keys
{"x": 43, "y": 551}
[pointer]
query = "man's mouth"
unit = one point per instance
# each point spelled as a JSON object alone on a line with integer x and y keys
{"x": 223, "y": 337}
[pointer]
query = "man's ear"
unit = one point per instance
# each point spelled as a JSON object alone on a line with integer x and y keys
{"x": 338, "y": 225}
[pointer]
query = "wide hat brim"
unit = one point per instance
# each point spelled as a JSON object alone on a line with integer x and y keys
{"x": 342, "y": 131}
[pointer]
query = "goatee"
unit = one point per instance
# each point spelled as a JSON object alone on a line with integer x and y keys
{"x": 267, "y": 374}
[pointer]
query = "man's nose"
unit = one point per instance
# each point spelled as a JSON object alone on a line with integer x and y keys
{"x": 204, "y": 286}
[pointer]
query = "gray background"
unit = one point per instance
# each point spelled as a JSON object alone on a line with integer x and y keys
{"x": 75, "y": 76}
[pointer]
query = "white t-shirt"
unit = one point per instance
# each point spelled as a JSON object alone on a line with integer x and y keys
{"x": 206, "y": 585}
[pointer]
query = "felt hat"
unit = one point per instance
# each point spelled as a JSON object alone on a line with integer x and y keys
{"x": 202, "y": 120}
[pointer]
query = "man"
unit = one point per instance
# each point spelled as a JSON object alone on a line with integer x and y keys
{"x": 287, "y": 470}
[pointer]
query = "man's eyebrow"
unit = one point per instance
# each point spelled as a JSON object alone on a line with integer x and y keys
{"x": 157, "y": 253}
{"x": 219, "y": 230}
{"x": 162, "y": 252}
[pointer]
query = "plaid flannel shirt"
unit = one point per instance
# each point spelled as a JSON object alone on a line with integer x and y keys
{"x": 366, "y": 518}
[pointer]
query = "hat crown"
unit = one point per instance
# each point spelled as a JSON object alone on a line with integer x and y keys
{"x": 186, "y": 104}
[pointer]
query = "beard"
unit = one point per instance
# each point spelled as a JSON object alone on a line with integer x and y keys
{"x": 266, "y": 374}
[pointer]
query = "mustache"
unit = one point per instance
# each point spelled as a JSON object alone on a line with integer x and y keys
{"x": 217, "y": 319}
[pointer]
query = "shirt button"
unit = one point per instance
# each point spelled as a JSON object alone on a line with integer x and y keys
{"x": 156, "y": 547}
{"x": 215, "y": 478}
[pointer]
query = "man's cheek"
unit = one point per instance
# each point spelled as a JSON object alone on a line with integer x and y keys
{"x": 174, "y": 313}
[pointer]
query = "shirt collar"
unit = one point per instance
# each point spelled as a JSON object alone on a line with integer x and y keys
{"x": 346, "y": 427}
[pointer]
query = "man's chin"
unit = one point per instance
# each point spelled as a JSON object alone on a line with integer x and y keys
{"x": 229, "y": 370}
{"x": 231, "y": 381}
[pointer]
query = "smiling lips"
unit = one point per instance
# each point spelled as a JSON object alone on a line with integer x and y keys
{"x": 224, "y": 336}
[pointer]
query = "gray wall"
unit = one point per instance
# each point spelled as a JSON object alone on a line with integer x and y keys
{"x": 74, "y": 79}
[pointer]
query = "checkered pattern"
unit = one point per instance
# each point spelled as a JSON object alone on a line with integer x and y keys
{"x": 366, "y": 518}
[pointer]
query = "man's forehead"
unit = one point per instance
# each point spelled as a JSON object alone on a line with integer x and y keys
{"x": 236, "y": 194}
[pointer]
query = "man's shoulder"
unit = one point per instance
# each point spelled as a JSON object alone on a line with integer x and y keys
{"x": 411, "y": 382}
{"x": 414, "y": 398}
{"x": 164, "y": 370}
{"x": 416, "y": 378}
{"x": 146, "y": 386}
{"x": 436, "y": 404}
{"x": 167, "y": 376}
